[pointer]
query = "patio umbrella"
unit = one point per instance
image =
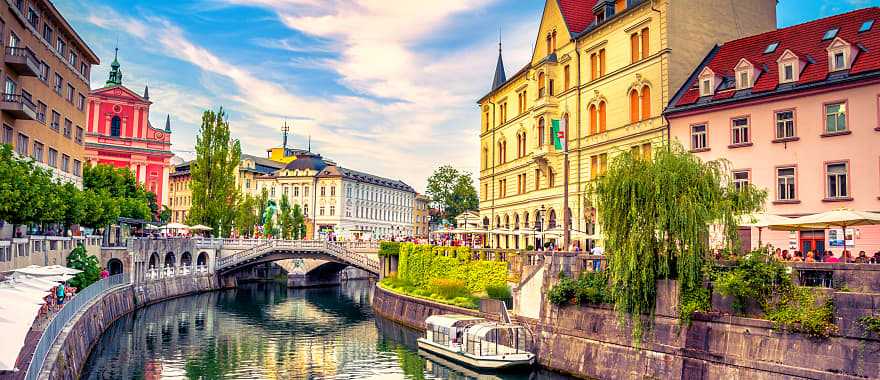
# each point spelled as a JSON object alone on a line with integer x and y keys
{"x": 762, "y": 220}
{"x": 151, "y": 227}
{"x": 175, "y": 226}
{"x": 842, "y": 218}
{"x": 200, "y": 227}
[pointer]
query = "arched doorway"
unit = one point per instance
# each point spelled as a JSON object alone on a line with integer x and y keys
{"x": 186, "y": 260}
{"x": 114, "y": 266}
{"x": 154, "y": 260}
{"x": 170, "y": 260}
{"x": 202, "y": 262}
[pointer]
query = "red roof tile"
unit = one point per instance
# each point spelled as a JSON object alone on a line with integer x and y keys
{"x": 578, "y": 14}
{"x": 805, "y": 40}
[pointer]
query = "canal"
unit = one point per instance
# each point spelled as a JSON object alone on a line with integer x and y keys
{"x": 266, "y": 331}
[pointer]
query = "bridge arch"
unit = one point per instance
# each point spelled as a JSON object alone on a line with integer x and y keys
{"x": 203, "y": 258}
{"x": 115, "y": 266}
{"x": 169, "y": 261}
{"x": 186, "y": 259}
{"x": 154, "y": 260}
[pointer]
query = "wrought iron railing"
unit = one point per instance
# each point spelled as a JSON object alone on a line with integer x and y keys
{"x": 66, "y": 314}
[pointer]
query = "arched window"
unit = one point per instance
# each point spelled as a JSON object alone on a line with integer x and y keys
{"x": 551, "y": 219}
{"x": 601, "y": 117}
{"x": 115, "y": 126}
{"x": 541, "y": 85}
{"x": 593, "y": 122}
{"x": 541, "y": 132}
{"x": 507, "y": 222}
{"x": 524, "y": 149}
{"x": 551, "y": 177}
{"x": 500, "y": 153}
{"x": 646, "y": 102}
{"x": 516, "y": 221}
{"x": 633, "y": 106}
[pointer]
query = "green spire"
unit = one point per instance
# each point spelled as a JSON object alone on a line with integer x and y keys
{"x": 115, "y": 78}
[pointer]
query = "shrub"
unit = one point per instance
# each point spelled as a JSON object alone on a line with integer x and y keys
{"x": 755, "y": 277}
{"x": 448, "y": 288}
{"x": 589, "y": 288}
{"x": 498, "y": 292}
{"x": 871, "y": 323}
{"x": 389, "y": 248}
{"x": 797, "y": 311}
{"x": 466, "y": 302}
{"x": 563, "y": 292}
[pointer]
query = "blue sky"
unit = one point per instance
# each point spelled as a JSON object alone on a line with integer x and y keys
{"x": 387, "y": 87}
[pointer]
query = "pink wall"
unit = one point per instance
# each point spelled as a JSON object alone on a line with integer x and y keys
{"x": 809, "y": 154}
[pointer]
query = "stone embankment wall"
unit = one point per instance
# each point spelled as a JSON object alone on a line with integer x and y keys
{"x": 73, "y": 346}
{"x": 591, "y": 342}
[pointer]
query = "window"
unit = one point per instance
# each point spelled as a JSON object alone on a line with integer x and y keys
{"x": 566, "y": 75}
{"x": 77, "y": 168}
{"x": 65, "y": 163}
{"x": 321, "y": 211}
{"x": 70, "y": 92}
{"x": 11, "y": 87}
{"x": 601, "y": 117}
{"x": 332, "y": 192}
{"x": 551, "y": 178}
{"x": 598, "y": 165}
{"x": 68, "y": 128}
{"x": 601, "y": 62}
{"x": 37, "y": 152}
{"x": 323, "y": 191}
{"x": 594, "y": 66}
{"x": 831, "y": 33}
{"x": 72, "y": 59}
{"x": 13, "y": 40}
{"x": 785, "y": 124}
{"x": 835, "y": 117}
{"x": 32, "y": 17}
{"x": 59, "y": 83}
{"x": 706, "y": 87}
{"x": 22, "y": 147}
{"x": 41, "y": 112}
{"x": 646, "y": 151}
{"x": 52, "y": 159}
{"x": 115, "y": 126}
{"x": 7, "y": 134}
{"x": 785, "y": 184}
{"x": 56, "y": 121}
{"x": 44, "y": 72}
{"x": 771, "y": 48}
{"x": 81, "y": 104}
{"x": 60, "y": 46}
{"x": 594, "y": 128}
{"x": 47, "y": 33}
{"x": 866, "y": 26}
{"x": 698, "y": 137}
{"x": 839, "y": 61}
{"x": 541, "y": 84}
{"x": 646, "y": 103}
{"x": 740, "y": 179}
{"x": 332, "y": 210}
{"x": 743, "y": 80}
{"x": 542, "y": 139}
{"x": 551, "y": 88}
{"x": 634, "y": 47}
{"x": 633, "y": 106}
{"x": 84, "y": 70}
{"x": 836, "y": 175}
{"x": 739, "y": 133}
{"x": 537, "y": 179}
{"x": 788, "y": 72}
{"x": 645, "y": 43}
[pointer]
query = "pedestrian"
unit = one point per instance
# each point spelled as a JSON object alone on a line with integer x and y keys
{"x": 104, "y": 273}
{"x": 59, "y": 293}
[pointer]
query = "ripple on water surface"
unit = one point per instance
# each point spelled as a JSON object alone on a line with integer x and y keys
{"x": 265, "y": 331}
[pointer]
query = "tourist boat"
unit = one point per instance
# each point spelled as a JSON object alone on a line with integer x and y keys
{"x": 477, "y": 342}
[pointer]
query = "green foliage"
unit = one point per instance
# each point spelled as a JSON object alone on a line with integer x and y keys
{"x": 389, "y": 248}
{"x": 452, "y": 191}
{"x": 246, "y": 215}
{"x": 655, "y": 215}
{"x": 871, "y": 323}
{"x": 798, "y": 310}
{"x": 299, "y": 223}
{"x": 448, "y": 288}
{"x": 421, "y": 263}
{"x": 88, "y": 264}
{"x": 214, "y": 193}
{"x": 590, "y": 288}
{"x": 285, "y": 219}
{"x": 755, "y": 277}
{"x": 499, "y": 292}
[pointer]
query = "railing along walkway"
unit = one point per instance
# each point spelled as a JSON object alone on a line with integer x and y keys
{"x": 66, "y": 314}
{"x": 263, "y": 247}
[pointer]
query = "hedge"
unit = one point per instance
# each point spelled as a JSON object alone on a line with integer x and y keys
{"x": 389, "y": 248}
{"x": 419, "y": 264}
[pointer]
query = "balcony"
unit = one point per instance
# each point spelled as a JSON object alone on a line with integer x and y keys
{"x": 22, "y": 61}
{"x": 18, "y": 106}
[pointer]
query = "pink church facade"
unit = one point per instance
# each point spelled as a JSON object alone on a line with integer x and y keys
{"x": 801, "y": 121}
{"x": 119, "y": 133}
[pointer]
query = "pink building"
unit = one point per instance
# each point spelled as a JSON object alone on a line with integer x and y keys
{"x": 795, "y": 111}
{"x": 120, "y": 134}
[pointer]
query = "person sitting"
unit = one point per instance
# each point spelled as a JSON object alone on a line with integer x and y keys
{"x": 798, "y": 257}
{"x": 876, "y": 258}
{"x": 811, "y": 257}
{"x": 862, "y": 258}
{"x": 830, "y": 258}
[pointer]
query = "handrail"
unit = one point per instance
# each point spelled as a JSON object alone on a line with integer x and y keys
{"x": 333, "y": 249}
{"x": 65, "y": 315}
{"x": 17, "y": 98}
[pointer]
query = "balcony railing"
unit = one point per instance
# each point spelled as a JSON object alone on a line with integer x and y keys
{"x": 22, "y": 60}
{"x": 18, "y": 106}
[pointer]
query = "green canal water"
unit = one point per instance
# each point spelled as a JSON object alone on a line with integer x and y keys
{"x": 266, "y": 331}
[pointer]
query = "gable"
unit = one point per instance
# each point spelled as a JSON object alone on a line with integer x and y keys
{"x": 120, "y": 93}
{"x": 551, "y": 20}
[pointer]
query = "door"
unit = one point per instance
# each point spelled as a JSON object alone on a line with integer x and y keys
{"x": 812, "y": 240}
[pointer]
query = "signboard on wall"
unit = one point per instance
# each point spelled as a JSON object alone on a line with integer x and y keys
{"x": 835, "y": 237}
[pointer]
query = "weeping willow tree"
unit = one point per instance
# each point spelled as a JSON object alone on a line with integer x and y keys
{"x": 655, "y": 216}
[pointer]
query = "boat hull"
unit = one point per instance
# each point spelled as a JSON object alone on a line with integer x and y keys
{"x": 495, "y": 362}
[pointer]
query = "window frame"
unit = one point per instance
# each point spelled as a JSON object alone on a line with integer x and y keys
{"x": 776, "y": 192}
{"x": 705, "y": 132}
{"x": 774, "y": 120}
{"x": 748, "y": 179}
{"x": 747, "y": 128}
{"x": 847, "y": 177}
{"x": 824, "y": 120}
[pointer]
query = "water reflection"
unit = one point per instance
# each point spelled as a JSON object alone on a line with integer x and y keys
{"x": 265, "y": 331}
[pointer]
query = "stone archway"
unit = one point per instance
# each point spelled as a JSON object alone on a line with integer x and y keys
{"x": 202, "y": 259}
{"x": 154, "y": 260}
{"x": 186, "y": 259}
{"x": 170, "y": 260}
{"x": 115, "y": 266}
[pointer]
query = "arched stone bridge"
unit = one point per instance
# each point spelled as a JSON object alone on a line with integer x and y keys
{"x": 252, "y": 252}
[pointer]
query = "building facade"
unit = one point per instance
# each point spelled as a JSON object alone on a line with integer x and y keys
{"x": 421, "y": 216}
{"x": 46, "y": 70}
{"x": 602, "y": 72}
{"x": 179, "y": 193}
{"x": 795, "y": 112}
{"x": 120, "y": 134}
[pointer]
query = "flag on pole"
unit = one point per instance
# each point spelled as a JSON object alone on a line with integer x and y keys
{"x": 557, "y": 128}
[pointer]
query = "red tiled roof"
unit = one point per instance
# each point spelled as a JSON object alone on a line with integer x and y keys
{"x": 805, "y": 41}
{"x": 578, "y": 14}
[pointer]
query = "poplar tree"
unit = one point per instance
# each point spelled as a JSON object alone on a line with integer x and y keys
{"x": 214, "y": 194}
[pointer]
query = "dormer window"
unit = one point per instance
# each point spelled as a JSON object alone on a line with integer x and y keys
{"x": 707, "y": 81}
{"x": 790, "y": 66}
{"x": 745, "y": 74}
{"x": 788, "y": 72}
{"x": 840, "y": 55}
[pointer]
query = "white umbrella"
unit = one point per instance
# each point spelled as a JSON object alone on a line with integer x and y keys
{"x": 842, "y": 218}
{"x": 151, "y": 227}
{"x": 175, "y": 226}
{"x": 200, "y": 227}
{"x": 61, "y": 270}
{"x": 761, "y": 220}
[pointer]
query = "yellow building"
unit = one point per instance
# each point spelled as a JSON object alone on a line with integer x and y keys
{"x": 421, "y": 216}
{"x": 179, "y": 193}
{"x": 605, "y": 69}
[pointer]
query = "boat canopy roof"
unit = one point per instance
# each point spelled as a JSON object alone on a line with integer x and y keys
{"x": 485, "y": 330}
{"x": 452, "y": 320}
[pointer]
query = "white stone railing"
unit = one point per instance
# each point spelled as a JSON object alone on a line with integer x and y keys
{"x": 333, "y": 249}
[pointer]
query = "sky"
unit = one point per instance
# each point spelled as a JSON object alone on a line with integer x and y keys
{"x": 383, "y": 86}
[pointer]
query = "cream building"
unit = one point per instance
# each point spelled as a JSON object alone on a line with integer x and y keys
{"x": 605, "y": 69}
{"x": 421, "y": 216}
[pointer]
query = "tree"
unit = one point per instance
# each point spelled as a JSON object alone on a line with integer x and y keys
{"x": 285, "y": 219}
{"x": 246, "y": 215}
{"x": 655, "y": 215}
{"x": 20, "y": 189}
{"x": 298, "y": 221}
{"x": 123, "y": 195}
{"x": 452, "y": 191}
{"x": 214, "y": 194}
{"x": 165, "y": 215}
{"x": 88, "y": 264}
